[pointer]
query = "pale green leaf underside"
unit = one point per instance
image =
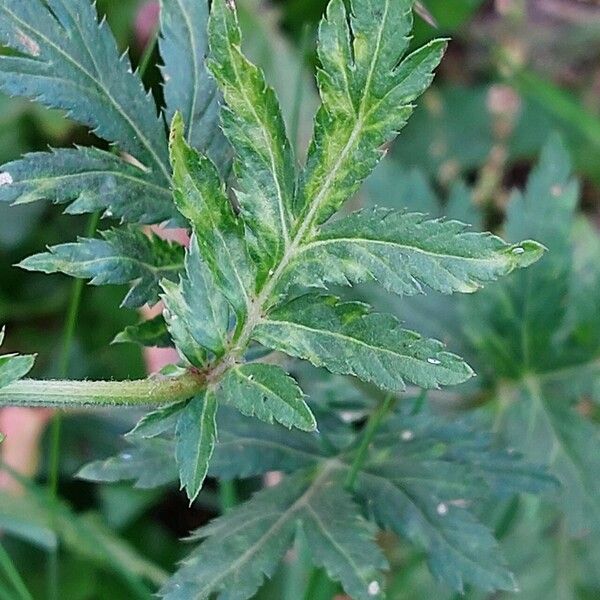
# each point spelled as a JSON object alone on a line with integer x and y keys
{"x": 346, "y": 339}
{"x": 196, "y": 433}
{"x": 122, "y": 256}
{"x": 406, "y": 252}
{"x": 268, "y": 393}
{"x": 247, "y": 544}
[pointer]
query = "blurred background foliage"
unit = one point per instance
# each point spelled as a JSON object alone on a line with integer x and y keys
{"x": 516, "y": 71}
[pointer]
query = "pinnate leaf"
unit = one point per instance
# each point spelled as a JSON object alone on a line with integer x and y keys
{"x": 71, "y": 62}
{"x": 426, "y": 488}
{"x": 367, "y": 93}
{"x": 92, "y": 180}
{"x": 244, "y": 546}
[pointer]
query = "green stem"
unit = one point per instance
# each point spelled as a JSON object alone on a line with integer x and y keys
{"x": 63, "y": 366}
{"x": 55, "y": 430}
{"x": 227, "y": 495}
{"x": 153, "y": 391}
{"x": 13, "y": 575}
{"x": 370, "y": 430}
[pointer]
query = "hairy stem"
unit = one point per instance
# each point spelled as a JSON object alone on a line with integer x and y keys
{"x": 68, "y": 394}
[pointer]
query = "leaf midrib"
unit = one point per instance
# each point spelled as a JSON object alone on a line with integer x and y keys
{"x": 190, "y": 29}
{"x": 286, "y": 515}
{"x": 493, "y": 258}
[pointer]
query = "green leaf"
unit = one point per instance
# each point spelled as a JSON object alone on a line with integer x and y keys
{"x": 93, "y": 180}
{"x": 201, "y": 197}
{"x": 425, "y": 479}
{"x": 122, "y": 256}
{"x": 196, "y": 433}
{"x": 187, "y": 86}
{"x": 404, "y": 252}
{"x": 342, "y": 542}
{"x": 548, "y": 431}
{"x": 247, "y": 447}
{"x": 148, "y": 462}
{"x": 37, "y": 518}
{"x": 197, "y": 314}
{"x": 347, "y": 339}
{"x": 152, "y": 333}
{"x": 367, "y": 93}
{"x": 13, "y": 366}
{"x": 157, "y": 422}
{"x": 244, "y": 546}
{"x": 513, "y": 324}
{"x": 267, "y": 392}
{"x": 71, "y": 62}
{"x": 264, "y": 163}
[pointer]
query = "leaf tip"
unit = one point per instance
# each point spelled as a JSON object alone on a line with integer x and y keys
{"x": 526, "y": 253}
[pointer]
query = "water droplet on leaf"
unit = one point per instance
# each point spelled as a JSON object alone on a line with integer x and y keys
{"x": 442, "y": 509}
{"x": 374, "y": 588}
{"x": 407, "y": 435}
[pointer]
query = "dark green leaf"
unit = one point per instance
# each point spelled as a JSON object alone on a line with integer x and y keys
{"x": 196, "y": 433}
{"x": 246, "y": 545}
{"x": 267, "y": 392}
{"x": 70, "y": 61}
{"x": 122, "y": 256}
{"x": 152, "y": 333}
{"x": 13, "y": 366}
{"x": 92, "y": 180}
{"x": 188, "y": 87}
